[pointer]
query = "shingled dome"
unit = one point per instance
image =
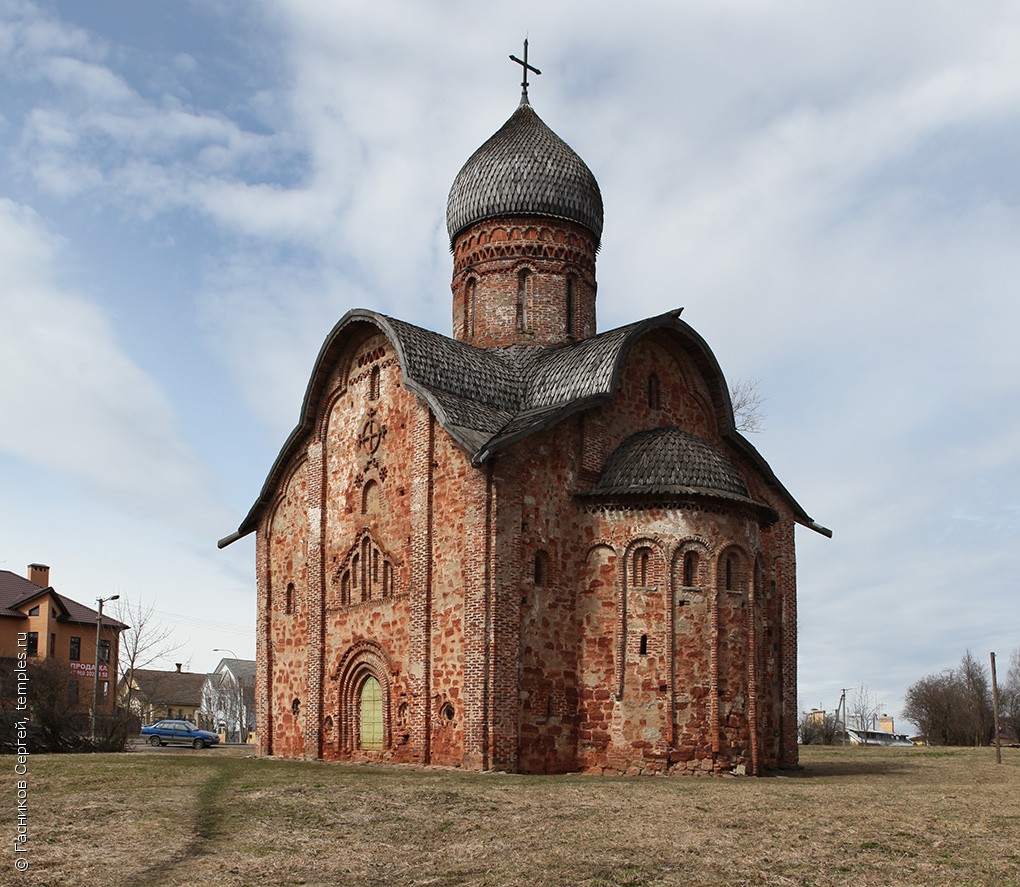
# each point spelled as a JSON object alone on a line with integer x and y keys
{"x": 670, "y": 460}
{"x": 524, "y": 169}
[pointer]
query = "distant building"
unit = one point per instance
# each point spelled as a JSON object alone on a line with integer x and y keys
{"x": 876, "y": 737}
{"x": 228, "y": 699}
{"x": 42, "y": 624}
{"x": 153, "y": 694}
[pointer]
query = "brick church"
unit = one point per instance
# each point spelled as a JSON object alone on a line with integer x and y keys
{"x": 531, "y": 547}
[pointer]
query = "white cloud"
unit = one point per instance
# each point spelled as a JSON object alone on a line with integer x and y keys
{"x": 76, "y": 403}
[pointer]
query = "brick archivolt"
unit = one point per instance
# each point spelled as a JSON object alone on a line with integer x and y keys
{"x": 359, "y": 662}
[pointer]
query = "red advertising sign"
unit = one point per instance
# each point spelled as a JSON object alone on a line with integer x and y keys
{"x": 88, "y": 670}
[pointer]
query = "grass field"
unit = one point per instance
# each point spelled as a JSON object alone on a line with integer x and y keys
{"x": 221, "y": 817}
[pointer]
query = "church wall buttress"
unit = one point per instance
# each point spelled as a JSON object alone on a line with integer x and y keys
{"x": 422, "y": 517}
{"x": 264, "y": 714}
{"x": 287, "y": 551}
{"x": 315, "y": 604}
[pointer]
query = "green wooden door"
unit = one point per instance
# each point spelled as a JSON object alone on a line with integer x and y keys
{"x": 371, "y": 714}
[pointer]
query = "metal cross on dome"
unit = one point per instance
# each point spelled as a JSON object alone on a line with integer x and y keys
{"x": 524, "y": 64}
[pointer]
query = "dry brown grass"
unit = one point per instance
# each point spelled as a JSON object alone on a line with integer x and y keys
{"x": 851, "y": 816}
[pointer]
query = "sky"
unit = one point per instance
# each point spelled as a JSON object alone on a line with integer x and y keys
{"x": 192, "y": 194}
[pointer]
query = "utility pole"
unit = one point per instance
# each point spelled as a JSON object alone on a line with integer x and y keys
{"x": 995, "y": 712}
{"x": 95, "y": 676}
{"x": 842, "y": 705}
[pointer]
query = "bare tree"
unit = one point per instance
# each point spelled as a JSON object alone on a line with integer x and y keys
{"x": 747, "y": 403}
{"x": 863, "y": 709}
{"x": 145, "y": 640}
{"x": 1009, "y": 696}
{"x": 980, "y": 722}
{"x": 954, "y": 706}
{"x": 819, "y": 728}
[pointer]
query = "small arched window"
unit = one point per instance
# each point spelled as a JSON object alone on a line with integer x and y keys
{"x": 570, "y": 306}
{"x": 288, "y": 605}
{"x": 370, "y": 498}
{"x": 366, "y": 570}
{"x": 729, "y": 572}
{"x": 654, "y": 395}
{"x": 295, "y": 707}
{"x": 373, "y": 383}
{"x": 541, "y": 568}
{"x": 690, "y": 569}
{"x": 345, "y": 588}
{"x": 639, "y": 567}
{"x": 522, "y": 299}
{"x": 469, "y": 309}
{"x": 644, "y": 645}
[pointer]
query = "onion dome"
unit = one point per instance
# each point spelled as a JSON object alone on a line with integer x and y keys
{"x": 670, "y": 460}
{"x": 524, "y": 169}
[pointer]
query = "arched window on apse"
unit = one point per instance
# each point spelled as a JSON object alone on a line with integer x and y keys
{"x": 541, "y": 568}
{"x": 639, "y": 567}
{"x": 288, "y": 605}
{"x": 370, "y": 705}
{"x": 654, "y": 396}
{"x": 730, "y": 570}
{"x": 570, "y": 306}
{"x": 373, "y": 384}
{"x": 522, "y": 299}
{"x": 690, "y": 569}
{"x": 345, "y": 588}
{"x": 370, "y": 498}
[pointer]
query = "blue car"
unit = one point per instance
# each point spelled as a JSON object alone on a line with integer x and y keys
{"x": 179, "y": 733}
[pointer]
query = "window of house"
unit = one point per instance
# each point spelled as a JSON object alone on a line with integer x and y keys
{"x": 32, "y": 643}
{"x": 53, "y": 644}
{"x": 104, "y": 651}
{"x": 371, "y": 714}
{"x": 34, "y": 611}
{"x": 75, "y": 654}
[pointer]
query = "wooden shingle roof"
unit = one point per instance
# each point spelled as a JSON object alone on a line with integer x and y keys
{"x": 489, "y": 399}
